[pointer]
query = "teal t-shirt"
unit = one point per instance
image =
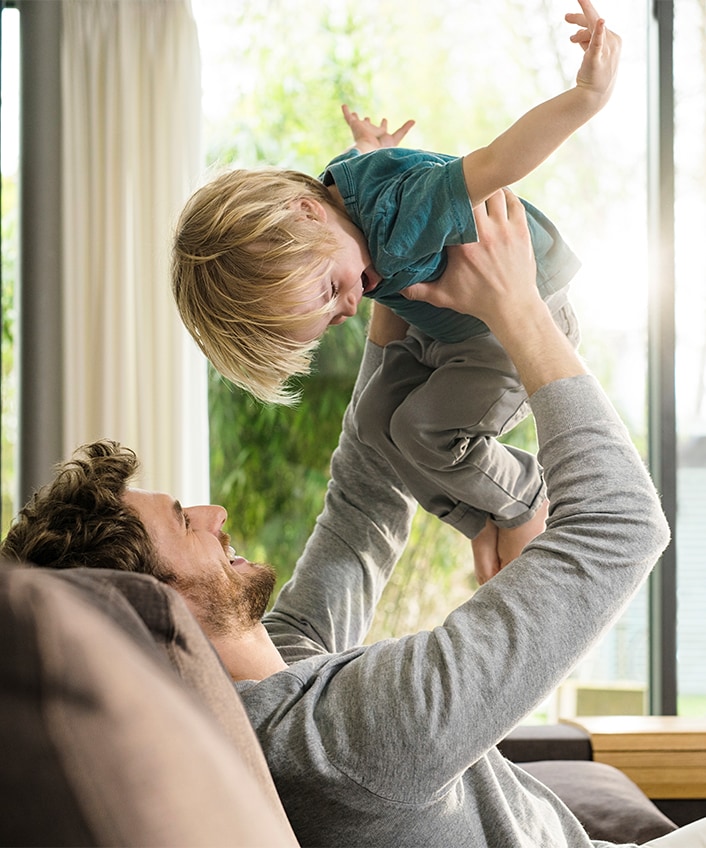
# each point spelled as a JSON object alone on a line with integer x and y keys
{"x": 410, "y": 204}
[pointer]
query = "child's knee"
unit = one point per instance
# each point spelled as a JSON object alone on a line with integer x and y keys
{"x": 414, "y": 437}
{"x": 429, "y": 445}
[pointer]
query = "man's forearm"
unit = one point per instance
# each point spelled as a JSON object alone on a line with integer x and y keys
{"x": 540, "y": 351}
{"x": 329, "y": 602}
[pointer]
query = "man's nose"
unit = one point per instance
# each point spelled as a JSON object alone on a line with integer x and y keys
{"x": 211, "y": 517}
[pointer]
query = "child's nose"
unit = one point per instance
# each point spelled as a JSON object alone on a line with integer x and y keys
{"x": 349, "y": 304}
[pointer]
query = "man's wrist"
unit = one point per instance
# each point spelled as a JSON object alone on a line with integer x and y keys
{"x": 540, "y": 351}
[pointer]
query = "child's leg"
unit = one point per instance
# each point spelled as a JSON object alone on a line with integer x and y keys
{"x": 434, "y": 411}
{"x": 447, "y": 429}
{"x": 404, "y": 375}
{"x": 400, "y": 373}
{"x": 448, "y": 425}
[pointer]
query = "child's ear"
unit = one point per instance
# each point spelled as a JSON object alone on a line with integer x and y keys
{"x": 311, "y": 208}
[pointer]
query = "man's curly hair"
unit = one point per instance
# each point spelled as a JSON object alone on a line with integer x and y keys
{"x": 81, "y": 519}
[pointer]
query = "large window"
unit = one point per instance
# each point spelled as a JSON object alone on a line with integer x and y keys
{"x": 273, "y": 82}
{"x": 690, "y": 310}
{"x": 274, "y": 76}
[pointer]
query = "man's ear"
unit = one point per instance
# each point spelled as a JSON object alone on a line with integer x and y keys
{"x": 311, "y": 208}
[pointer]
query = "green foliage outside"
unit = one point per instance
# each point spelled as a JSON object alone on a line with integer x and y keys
{"x": 288, "y": 70}
{"x": 291, "y": 72}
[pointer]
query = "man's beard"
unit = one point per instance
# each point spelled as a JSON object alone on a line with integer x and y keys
{"x": 231, "y": 606}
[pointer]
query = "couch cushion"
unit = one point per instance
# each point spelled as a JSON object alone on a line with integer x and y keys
{"x": 152, "y": 611}
{"x": 102, "y": 745}
{"x": 606, "y": 802}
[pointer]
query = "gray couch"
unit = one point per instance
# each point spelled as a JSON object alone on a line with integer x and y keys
{"x": 119, "y": 726}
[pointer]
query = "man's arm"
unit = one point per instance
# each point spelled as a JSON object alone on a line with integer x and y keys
{"x": 329, "y": 603}
{"x": 385, "y": 326}
{"x": 537, "y": 134}
{"x": 453, "y": 692}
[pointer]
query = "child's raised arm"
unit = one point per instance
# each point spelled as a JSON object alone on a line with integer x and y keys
{"x": 538, "y": 133}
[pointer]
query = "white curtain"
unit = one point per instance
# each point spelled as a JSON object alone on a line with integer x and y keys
{"x": 131, "y": 100}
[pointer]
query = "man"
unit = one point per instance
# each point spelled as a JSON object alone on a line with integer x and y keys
{"x": 394, "y": 744}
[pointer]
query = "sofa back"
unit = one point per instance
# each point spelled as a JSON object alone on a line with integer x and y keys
{"x": 118, "y": 723}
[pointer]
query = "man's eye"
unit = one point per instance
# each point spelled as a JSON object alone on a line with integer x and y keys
{"x": 187, "y": 520}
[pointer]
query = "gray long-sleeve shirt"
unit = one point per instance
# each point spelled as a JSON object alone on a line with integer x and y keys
{"x": 394, "y": 744}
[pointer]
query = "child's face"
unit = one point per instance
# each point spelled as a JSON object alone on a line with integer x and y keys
{"x": 349, "y": 277}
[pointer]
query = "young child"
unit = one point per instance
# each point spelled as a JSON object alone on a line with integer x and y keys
{"x": 264, "y": 261}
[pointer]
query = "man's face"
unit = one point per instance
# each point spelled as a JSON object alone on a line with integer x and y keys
{"x": 226, "y": 593}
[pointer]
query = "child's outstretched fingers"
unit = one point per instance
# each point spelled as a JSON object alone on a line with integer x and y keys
{"x": 368, "y": 136}
{"x": 601, "y": 54}
{"x": 598, "y": 36}
{"x": 402, "y": 131}
{"x": 589, "y": 10}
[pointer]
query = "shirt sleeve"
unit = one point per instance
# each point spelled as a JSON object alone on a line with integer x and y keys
{"x": 328, "y": 604}
{"x": 409, "y": 205}
{"x": 457, "y": 690}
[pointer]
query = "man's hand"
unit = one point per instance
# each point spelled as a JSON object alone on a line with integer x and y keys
{"x": 601, "y": 52}
{"x": 511, "y": 541}
{"x": 368, "y": 136}
{"x": 494, "y": 275}
{"x": 495, "y": 279}
{"x": 486, "y": 562}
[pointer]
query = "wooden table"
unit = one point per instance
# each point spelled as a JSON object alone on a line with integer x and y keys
{"x": 664, "y": 755}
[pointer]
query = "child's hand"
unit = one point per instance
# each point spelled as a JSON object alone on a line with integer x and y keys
{"x": 511, "y": 541}
{"x": 601, "y": 52}
{"x": 368, "y": 136}
{"x": 486, "y": 562}
{"x": 495, "y": 547}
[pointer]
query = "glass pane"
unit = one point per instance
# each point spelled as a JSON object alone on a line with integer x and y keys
{"x": 9, "y": 146}
{"x": 690, "y": 212}
{"x": 273, "y": 81}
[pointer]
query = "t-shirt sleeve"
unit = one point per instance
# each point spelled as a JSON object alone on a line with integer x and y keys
{"x": 409, "y": 204}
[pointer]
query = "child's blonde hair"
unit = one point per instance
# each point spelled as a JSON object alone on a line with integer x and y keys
{"x": 243, "y": 260}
